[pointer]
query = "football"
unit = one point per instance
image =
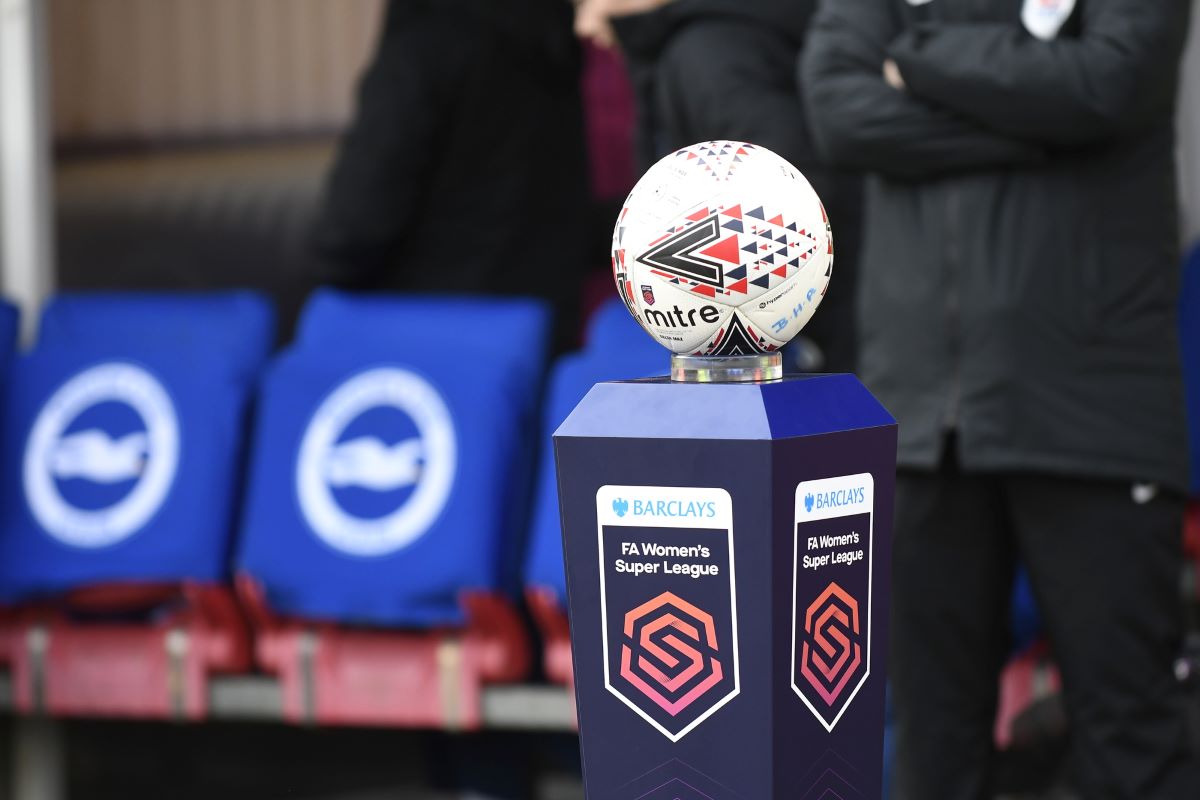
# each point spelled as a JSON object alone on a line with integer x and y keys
{"x": 722, "y": 249}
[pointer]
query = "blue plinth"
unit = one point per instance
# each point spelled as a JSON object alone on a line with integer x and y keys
{"x": 727, "y": 551}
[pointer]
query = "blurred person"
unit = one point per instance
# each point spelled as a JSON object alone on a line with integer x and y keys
{"x": 1018, "y": 317}
{"x": 464, "y": 168}
{"x": 726, "y": 69}
{"x": 464, "y": 171}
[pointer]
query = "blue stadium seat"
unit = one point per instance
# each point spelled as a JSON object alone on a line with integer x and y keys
{"x": 1024, "y": 617}
{"x": 239, "y": 325}
{"x": 612, "y": 329}
{"x": 9, "y": 321}
{"x": 8, "y": 334}
{"x": 1189, "y": 308}
{"x": 617, "y": 348}
{"x": 463, "y": 328}
{"x": 122, "y": 434}
{"x": 573, "y": 377}
{"x": 387, "y": 474}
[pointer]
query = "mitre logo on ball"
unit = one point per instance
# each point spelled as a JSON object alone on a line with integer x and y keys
{"x": 730, "y": 247}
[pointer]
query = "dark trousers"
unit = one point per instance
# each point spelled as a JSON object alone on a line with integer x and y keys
{"x": 1105, "y": 570}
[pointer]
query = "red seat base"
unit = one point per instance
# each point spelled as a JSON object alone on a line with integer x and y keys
{"x": 332, "y": 675}
{"x": 1191, "y": 543}
{"x": 552, "y": 621}
{"x": 156, "y": 670}
{"x": 1028, "y": 677}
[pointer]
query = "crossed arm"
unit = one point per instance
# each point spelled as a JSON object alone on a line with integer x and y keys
{"x": 982, "y": 95}
{"x": 1115, "y": 77}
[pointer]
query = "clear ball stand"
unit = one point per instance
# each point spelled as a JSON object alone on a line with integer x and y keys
{"x": 757, "y": 368}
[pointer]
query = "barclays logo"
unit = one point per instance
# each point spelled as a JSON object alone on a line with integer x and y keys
{"x": 101, "y": 456}
{"x": 377, "y": 462}
{"x": 650, "y": 507}
{"x": 834, "y": 499}
{"x": 620, "y": 506}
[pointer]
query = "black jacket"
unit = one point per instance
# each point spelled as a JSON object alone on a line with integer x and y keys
{"x": 1019, "y": 274}
{"x": 464, "y": 168}
{"x": 645, "y": 34}
{"x": 664, "y": 34}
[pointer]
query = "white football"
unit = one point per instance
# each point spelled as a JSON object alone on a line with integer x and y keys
{"x": 722, "y": 249}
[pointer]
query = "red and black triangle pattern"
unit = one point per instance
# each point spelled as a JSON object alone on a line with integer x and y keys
{"x": 737, "y": 339}
{"x": 719, "y": 159}
{"x": 731, "y": 253}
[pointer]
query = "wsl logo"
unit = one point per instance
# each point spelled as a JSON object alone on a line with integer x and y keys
{"x": 668, "y": 598}
{"x": 831, "y": 593}
{"x": 101, "y": 456}
{"x": 671, "y": 653}
{"x": 377, "y": 462}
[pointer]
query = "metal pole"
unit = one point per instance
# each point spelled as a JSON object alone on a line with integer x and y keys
{"x": 26, "y": 206}
{"x": 27, "y": 276}
{"x": 39, "y": 764}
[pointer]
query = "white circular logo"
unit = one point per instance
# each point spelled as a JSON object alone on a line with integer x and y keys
{"x": 368, "y": 492}
{"x": 102, "y": 455}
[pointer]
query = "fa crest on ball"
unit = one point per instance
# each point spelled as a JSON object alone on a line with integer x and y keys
{"x": 722, "y": 249}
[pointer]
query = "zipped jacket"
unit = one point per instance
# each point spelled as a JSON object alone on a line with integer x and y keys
{"x": 1019, "y": 274}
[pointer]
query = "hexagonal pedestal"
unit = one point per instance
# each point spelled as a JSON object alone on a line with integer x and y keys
{"x": 727, "y": 554}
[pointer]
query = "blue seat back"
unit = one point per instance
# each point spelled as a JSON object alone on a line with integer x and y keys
{"x": 122, "y": 440}
{"x": 617, "y": 349}
{"x": 1189, "y": 316}
{"x": 1024, "y": 617}
{"x": 612, "y": 329}
{"x": 390, "y": 461}
{"x": 9, "y": 320}
{"x": 238, "y": 324}
{"x": 9, "y": 327}
{"x": 465, "y": 328}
